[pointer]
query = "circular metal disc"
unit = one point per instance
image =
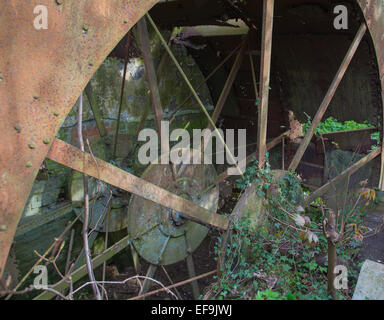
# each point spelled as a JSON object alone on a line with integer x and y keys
{"x": 160, "y": 235}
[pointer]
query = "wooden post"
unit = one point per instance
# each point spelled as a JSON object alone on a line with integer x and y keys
{"x": 265, "y": 66}
{"x": 328, "y": 97}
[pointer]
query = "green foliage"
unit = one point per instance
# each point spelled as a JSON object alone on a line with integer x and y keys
{"x": 277, "y": 262}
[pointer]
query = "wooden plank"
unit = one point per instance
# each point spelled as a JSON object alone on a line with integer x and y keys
{"x": 83, "y": 162}
{"x": 212, "y": 73}
{"x": 149, "y": 275}
{"x": 82, "y": 271}
{"x": 328, "y": 97}
{"x": 265, "y": 66}
{"x": 356, "y": 166}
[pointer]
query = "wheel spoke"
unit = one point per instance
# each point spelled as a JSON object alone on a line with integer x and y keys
{"x": 196, "y": 96}
{"x": 136, "y": 259}
{"x": 230, "y": 80}
{"x": 170, "y": 280}
{"x": 212, "y": 73}
{"x": 328, "y": 97}
{"x": 265, "y": 66}
{"x": 143, "y": 36}
{"x": 149, "y": 275}
{"x": 128, "y": 44}
{"x": 362, "y": 162}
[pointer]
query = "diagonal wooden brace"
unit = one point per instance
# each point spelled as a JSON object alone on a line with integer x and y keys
{"x": 74, "y": 158}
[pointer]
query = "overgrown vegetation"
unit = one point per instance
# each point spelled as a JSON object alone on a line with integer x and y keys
{"x": 333, "y": 125}
{"x": 286, "y": 259}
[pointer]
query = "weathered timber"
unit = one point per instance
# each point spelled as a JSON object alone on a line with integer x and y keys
{"x": 72, "y": 157}
{"x": 150, "y": 71}
{"x": 265, "y": 66}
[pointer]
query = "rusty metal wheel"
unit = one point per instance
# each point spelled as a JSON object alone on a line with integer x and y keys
{"x": 40, "y": 84}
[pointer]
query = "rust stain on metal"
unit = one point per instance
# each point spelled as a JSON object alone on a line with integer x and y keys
{"x": 51, "y": 65}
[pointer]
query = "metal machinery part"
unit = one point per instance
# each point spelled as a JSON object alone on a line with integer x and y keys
{"x": 43, "y": 72}
{"x": 164, "y": 236}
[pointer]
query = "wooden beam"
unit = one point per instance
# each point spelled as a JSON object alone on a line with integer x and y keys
{"x": 328, "y": 97}
{"x": 149, "y": 275}
{"x": 150, "y": 71}
{"x": 212, "y": 73}
{"x": 70, "y": 156}
{"x": 265, "y": 66}
{"x": 192, "y": 274}
{"x": 352, "y": 169}
{"x": 128, "y": 45}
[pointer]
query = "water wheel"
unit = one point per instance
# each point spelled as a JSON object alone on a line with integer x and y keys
{"x": 38, "y": 91}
